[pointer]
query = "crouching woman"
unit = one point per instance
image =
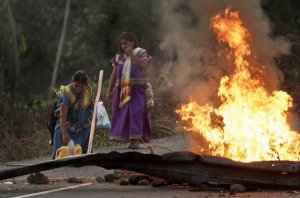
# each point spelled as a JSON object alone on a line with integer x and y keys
{"x": 75, "y": 111}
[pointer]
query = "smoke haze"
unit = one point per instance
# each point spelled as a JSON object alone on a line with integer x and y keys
{"x": 193, "y": 67}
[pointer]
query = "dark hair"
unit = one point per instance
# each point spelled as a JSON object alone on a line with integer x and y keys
{"x": 128, "y": 36}
{"x": 80, "y": 77}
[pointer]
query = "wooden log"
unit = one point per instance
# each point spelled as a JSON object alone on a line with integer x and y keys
{"x": 182, "y": 167}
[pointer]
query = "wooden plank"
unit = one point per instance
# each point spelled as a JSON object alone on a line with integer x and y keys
{"x": 93, "y": 125}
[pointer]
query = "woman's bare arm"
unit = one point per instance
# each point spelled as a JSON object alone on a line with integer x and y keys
{"x": 112, "y": 82}
{"x": 139, "y": 62}
{"x": 63, "y": 123}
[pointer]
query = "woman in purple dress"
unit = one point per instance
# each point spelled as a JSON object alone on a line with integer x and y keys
{"x": 130, "y": 119}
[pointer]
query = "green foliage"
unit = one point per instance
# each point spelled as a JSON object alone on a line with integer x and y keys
{"x": 22, "y": 131}
{"x": 91, "y": 38}
{"x": 14, "y": 118}
{"x": 91, "y": 42}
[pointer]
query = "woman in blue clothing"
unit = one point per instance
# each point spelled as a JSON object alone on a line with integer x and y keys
{"x": 75, "y": 113}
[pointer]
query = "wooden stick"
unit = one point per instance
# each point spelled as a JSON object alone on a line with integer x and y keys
{"x": 94, "y": 113}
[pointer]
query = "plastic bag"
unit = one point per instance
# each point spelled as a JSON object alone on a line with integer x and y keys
{"x": 71, "y": 147}
{"x": 103, "y": 121}
{"x": 100, "y": 110}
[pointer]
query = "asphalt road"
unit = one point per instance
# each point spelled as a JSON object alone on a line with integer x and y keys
{"x": 105, "y": 190}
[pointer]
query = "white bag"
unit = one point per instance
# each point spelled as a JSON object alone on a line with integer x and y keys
{"x": 100, "y": 110}
{"x": 103, "y": 121}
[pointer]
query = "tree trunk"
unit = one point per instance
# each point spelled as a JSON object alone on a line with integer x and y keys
{"x": 16, "y": 70}
{"x": 60, "y": 45}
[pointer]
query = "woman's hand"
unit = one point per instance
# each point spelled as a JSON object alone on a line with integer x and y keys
{"x": 129, "y": 49}
{"x": 66, "y": 138}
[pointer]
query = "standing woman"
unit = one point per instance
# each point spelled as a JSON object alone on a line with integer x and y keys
{"x": 130, "y": 119}
{"x": 75, "y": 111}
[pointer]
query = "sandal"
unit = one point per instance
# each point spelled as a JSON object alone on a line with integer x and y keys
{"x": 134, "y": 145}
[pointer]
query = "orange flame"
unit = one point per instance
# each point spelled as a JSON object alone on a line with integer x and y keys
{"x": 250, "y": 124}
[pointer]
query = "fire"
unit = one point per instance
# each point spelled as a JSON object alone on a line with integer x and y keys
{"x": 251, "y": 123}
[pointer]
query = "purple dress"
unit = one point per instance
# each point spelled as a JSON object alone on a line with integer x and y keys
{"x": 131, "y": 121}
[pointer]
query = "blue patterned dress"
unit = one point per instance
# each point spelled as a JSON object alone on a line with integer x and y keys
{"x": 79, "y": 117}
